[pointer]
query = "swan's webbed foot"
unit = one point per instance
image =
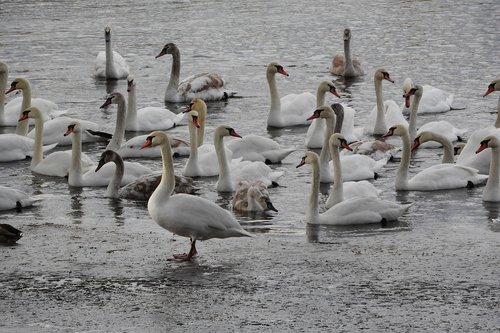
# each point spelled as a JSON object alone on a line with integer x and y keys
{"x": 187, "y": 256}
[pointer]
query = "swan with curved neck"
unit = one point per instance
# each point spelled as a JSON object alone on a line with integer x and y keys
{"x": 225, "y": 182}
{"x": 437, "y": 177}
{"x": 426, "y": 136}
{"x": 491, "y": 191}
{"x": 43, "y": 105}
{"x": 289, "y": 110}
{"x": 148, "y": 118}
{"x": 482, "y": 160}
{"x": 186, "y": 215}
{"x": 315, "y": 132}
{"x": 57, "y": 163}
{"x": 359, "y": 210}
{"x": 442, "y": 126}
{"x": 386, "y": 113}
{"x": 345, "y": 64}
{"x": 109, "y": 64}
{"x": 208, "y": 86}
{"x": 434, "y": 100}
{"x": 77, "y": 176}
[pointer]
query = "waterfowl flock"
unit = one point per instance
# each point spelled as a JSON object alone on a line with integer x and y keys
{"x": 353, "y": 152}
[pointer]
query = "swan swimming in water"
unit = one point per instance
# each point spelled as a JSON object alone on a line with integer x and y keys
{"x": 344, "y": 64}
{"x": 109, "y": 64}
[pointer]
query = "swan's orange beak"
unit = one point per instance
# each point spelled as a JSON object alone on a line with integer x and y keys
{"x": 12, "y": 87}
{"x": 232, "y": 132}
{"x": 69, "y": 130}
{"x": 483, "y": 145}
{"x": 334, "y": 91}
{"x": 489, "y": 91}
{"x": 388, "y": 77}
{"x": 390, "y": 132}
{"x": 315, "y": 115}
{"x": 407, "y": 100}
{"x": 281, "y": 70}
{"x": 148, "y": 143}
{"x": 196, "y": 122}
{"x": 345, "y": 145}
{"x": 416, "y": 144}
{"x": 24, "y": 116}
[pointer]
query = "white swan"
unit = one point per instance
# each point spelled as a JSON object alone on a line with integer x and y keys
{"x": 359, "y": 210}
{"x": 481, "y": 161}
{"x": 434, "y": 100}
{"x": 386, "y": 113}
{"x": 354, "y": 167}
{"x": 17, "y": 106}
{"x": 314, "y": 136}
{"x": 208, "y": 86}
{"x": 187, "y": 215}
{"x": 491, "y": 191}
{"x": 340, "y": 190}
{"x": 441, "y": 126}
{"x": 149, "y": 118}
{"x": 11, "y": 198}
{"x": 258, "y": 148}
{"x": 142, "y": 187}
{"x": 290, "y": 110}
{"x": 109, "y": 64}
{"x": 437, "y": 177}
{"x": 78, "y": 177}
{"x": 345, "y": 64}
{"x": 252, "y": 196}
{"x": 57, "y": 163}
{"x": 444, "y": 141}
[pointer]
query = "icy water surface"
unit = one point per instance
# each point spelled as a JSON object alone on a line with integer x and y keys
{"x": 87, "y": 263}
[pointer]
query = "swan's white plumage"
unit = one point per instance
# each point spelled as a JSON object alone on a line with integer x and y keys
{"x": 258, "y": 148}
{"x": 491, "y": 192}
{"x": 109, "y": 64}
{"x": 434, "y": 100}
{"x": 11, "y": 198}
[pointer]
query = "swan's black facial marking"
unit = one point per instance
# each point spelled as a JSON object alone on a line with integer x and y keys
{"x": 302, "y": 162}
{"x": 416, "y": 143}
{"x": 232, "y": 132}
{"x": 70, "y": 130}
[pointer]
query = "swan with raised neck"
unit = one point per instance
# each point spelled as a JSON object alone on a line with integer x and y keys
{"x": 345, "y": 64}
{"x": 495, "y": 86}
{"x": 491, "y": 191}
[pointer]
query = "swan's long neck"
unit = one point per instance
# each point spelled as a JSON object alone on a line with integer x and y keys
{"x": 339, "y": 120}
{"x": 175, "y": 73}
{"x": 497, "y": 122}
{"x": 337, "y": 192}
{"x": 404, "y": 165}
{"x": 312, "y": 213}
{"x": 192, "y": 162}
{"x": 75, "y": 169}
{"x": 132, "y": 109}
{"x": 3, "y": 86}
{"x": 119, "y": 135}
{"x": 200, "y": 131}
{"x": 412, "y": 127}
{"x": 275, "y": 111}
{"x": 448, "y": 153}
{"x": 324, "y": 156}
{"x": 37, "y": 149}
{"x": 114, "y": 183}
{"x": 167, "y": 183}
{"x": 109, "y": 60}
{"x": 380, "y": 125}
{"x": 224, "y": 184}
{"x": 349, "y": 68}
{"x": 493, "y": 183}
{"x": 23, "y": 126}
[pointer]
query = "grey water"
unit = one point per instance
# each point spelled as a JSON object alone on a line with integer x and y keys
{"x": 87, "y": 263}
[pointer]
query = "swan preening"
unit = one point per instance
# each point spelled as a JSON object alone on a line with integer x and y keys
{"x": 109, "y": 64}
{"x": 252, "y": 196}
{"x": 11, "y": 198}
{"x": 186, "y": 215}
{"x": 345, "y": 64}
{"x": 208, "y": 86}
{"x": 443, "y": 176}
{"x": 491, "y": 191}
{"x": 358, "y": 210}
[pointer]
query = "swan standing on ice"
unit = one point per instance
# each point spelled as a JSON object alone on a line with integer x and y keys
{"x": 344, "y": 64}
{"x": 358, "y": 210}
{"x": 109, "y": 64}
{"x": 207, "y": 86}
{"x": 183, "y": 214}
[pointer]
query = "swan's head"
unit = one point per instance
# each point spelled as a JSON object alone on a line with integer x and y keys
{"x": 382, "y": 74}
{"x": 422, "y": 138}
{"x": 107, "y": 34}
{"x": 347, "y": 34}
{"x": 418, "y": 90}
{"x": 323, "y": 112}
{"x": 224, "y": 130}
{"x": 19, "y": 83}
{"x": 107, "y": 156}
{"x": 169, "y": 48}
{"x": 337, "y": 140}
{"x": 156, "y": 138}
{"x": 193, "y": 118}
{"x": 261, "y": 196}
{"x": 31, "y": 112}
{"x": 274, "y": 68}
{"x": 398, "y": 130}
{"x": 490, "y": 141}
{"x": 458, "y": 148}
{"x": 328, "y": 86}
{"x": 73, "y": 128}
{"x": 3, "y": 68}
{"x": 338, "y": 109}
{"x": 407, "y": 85}
{"x": 198, "y": 105}
{"x": 493, "y": 86}
{"x": 130, "y": 82}
{"x": 309, "y": 157}
{"x": 113, "y": 98}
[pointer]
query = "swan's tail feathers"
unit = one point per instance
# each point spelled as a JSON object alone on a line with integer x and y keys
{"x": 229, "y": 94}
{"x": 57, "y": 113}
{"x": 241, "y": 233}
{"x": 380, "y": 164}
{"x": 104, "y": 135}
{"x": 49, "y": 147}
{"x": 276, "y": 156}
{"x": 178, "y": 118}
{"x": 453, "y": 105}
